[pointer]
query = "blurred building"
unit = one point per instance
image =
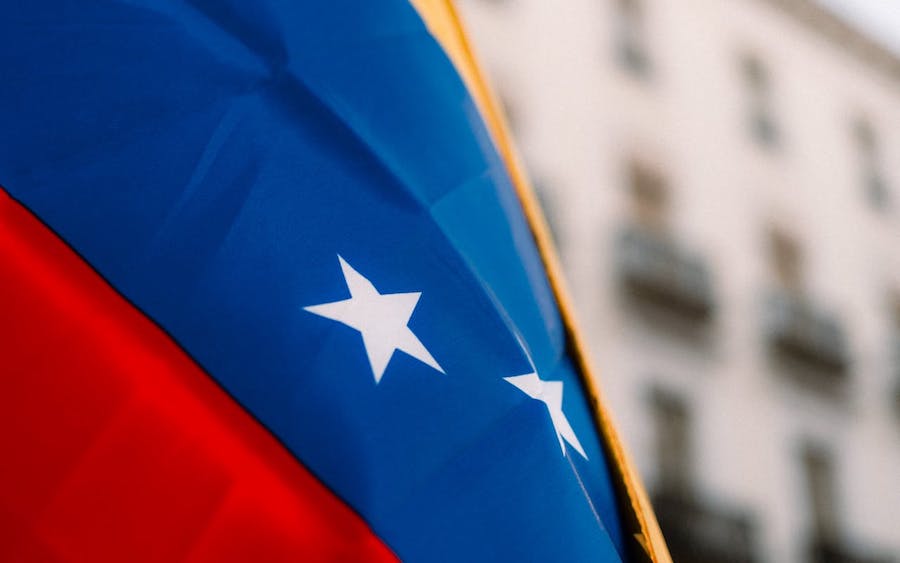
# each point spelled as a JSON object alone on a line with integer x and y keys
{"x": 723, "y": 180}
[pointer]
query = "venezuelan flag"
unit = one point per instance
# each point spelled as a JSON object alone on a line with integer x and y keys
{"x": 273, "y": 288}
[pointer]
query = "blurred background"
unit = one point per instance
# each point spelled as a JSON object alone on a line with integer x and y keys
{"x": 723, "y": 182}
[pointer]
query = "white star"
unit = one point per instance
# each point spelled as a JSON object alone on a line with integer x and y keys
{"x": 551, "y": 394}
{"x": 381, "y": 318}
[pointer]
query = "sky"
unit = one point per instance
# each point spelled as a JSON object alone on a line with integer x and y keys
{"x": 880, "y": 18}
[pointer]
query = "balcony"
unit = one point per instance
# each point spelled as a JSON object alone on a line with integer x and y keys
{"x": 829, "y": 551}
{"x": 895, "y": 365}
{"x": 699, "y": 532}
{"x": 654, "y": 269}
{"x": 897, "y": 395}
{"x": 801, "y": 333}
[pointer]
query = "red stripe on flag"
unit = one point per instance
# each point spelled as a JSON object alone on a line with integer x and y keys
{"x": 115, "y": 446}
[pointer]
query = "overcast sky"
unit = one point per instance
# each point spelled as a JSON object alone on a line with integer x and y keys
{"x": 881, "y": 18}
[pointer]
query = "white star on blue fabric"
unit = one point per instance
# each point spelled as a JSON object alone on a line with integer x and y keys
{"x": 381, "y": 318}
{"x": 550, "y": 393}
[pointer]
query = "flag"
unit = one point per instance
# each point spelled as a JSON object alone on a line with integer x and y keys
{"x": 269, "y": 293}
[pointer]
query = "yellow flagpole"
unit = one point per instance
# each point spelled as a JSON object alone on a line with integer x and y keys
{"x": 445, "y": 25}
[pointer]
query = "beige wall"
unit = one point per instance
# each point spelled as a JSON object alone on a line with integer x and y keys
{"x": 579, "y": 118}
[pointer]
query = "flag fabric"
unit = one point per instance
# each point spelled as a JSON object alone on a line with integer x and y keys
{"x": 269, "y": 293}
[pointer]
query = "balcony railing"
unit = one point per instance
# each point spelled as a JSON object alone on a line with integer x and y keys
{"x": 895, "y": 365}
{"x": 653, "y": 268}
{"x": 826, "y": 551}
{"x": 800, "y": 331}
{"x": 697, "y": 531}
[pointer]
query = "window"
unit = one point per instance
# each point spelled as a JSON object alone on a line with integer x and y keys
{"x": 874, "y": 186}
{"x": 761, "y": 119}
{"x": 786, "y": 259}
{"x": 631, "y": 48}
{"x": 819, "y": 474}
{"x": 551, "y": 211}
{"x": 672, "y": 434}
{"x": 510, "y": 111}
{"x": 649, "y": 196}
{"x": 894, "y": 312}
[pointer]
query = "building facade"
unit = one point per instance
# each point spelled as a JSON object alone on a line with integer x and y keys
{"x": 723, "y": 182}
